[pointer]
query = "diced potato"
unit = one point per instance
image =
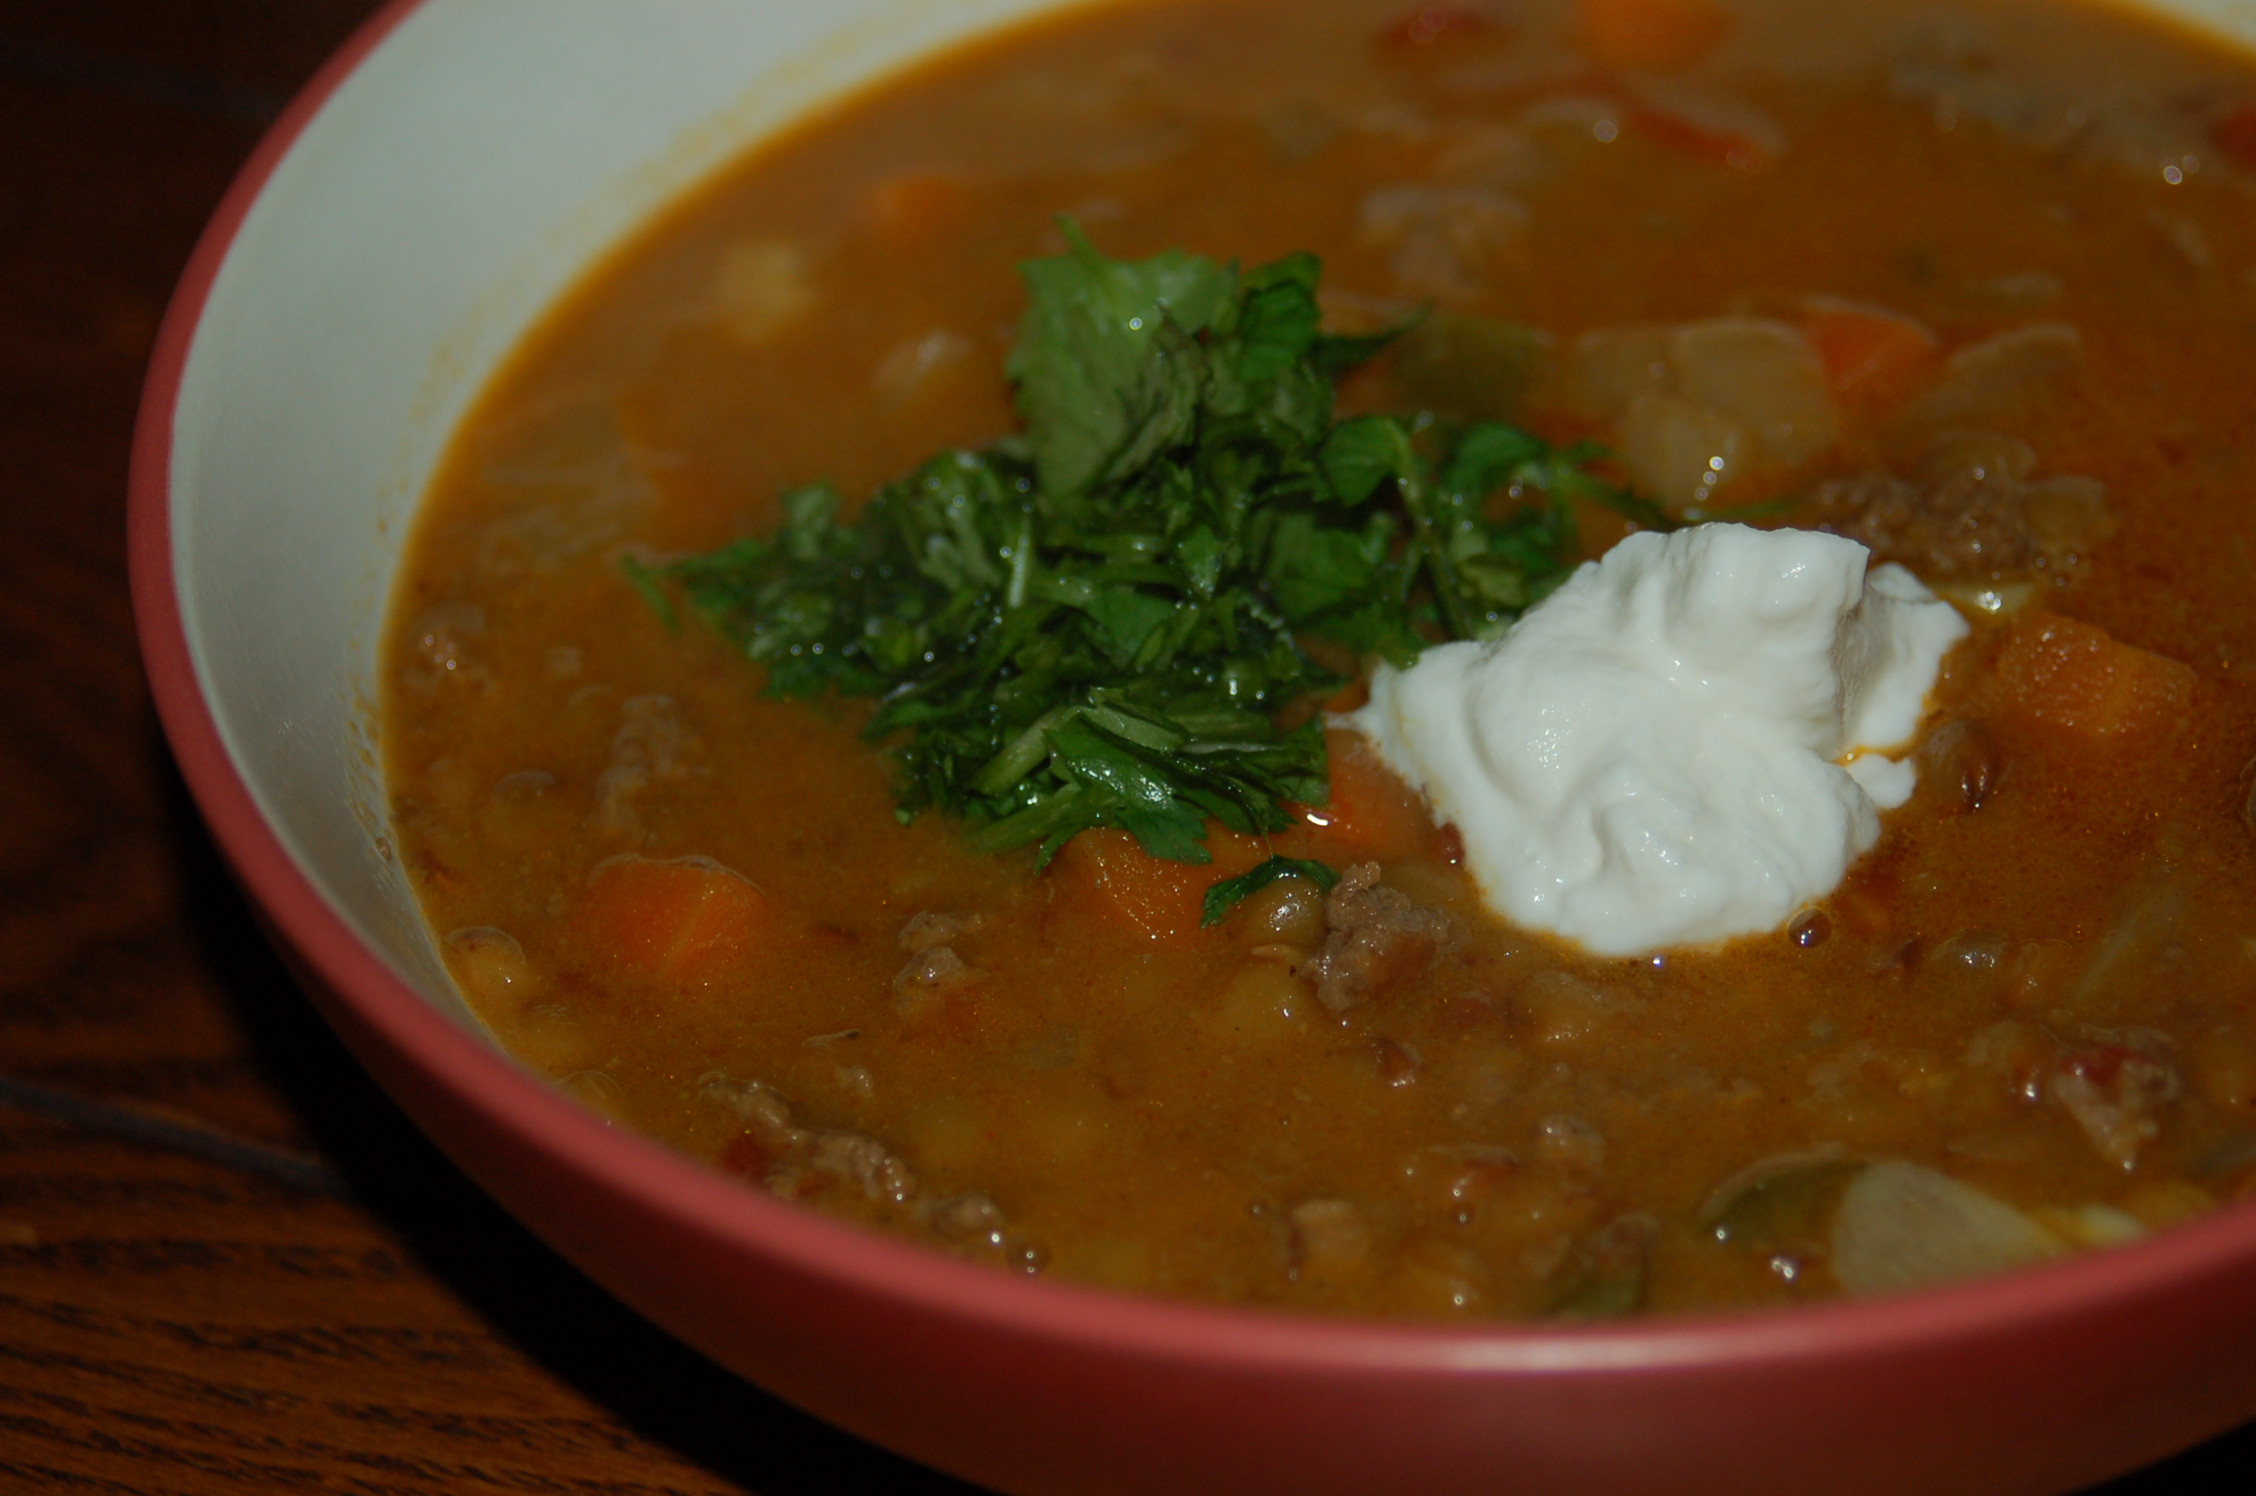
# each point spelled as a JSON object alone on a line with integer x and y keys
{"x": 1332, "y": 1241}
{"x": 762, "y": 287}
{"x": 1263, "y": 998}
{"x": 1765, "y": 376}
{"x": 1681, "y": 451}
{"x": 552, "y": 1037}
{"x": 1440, "y": 1277}
{"x": 1614, "y": 365}
{"x": 600, "y": 1094}
{"x": 491, "y": 965}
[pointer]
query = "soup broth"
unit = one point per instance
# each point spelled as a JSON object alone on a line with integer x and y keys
{"x": 2016, "y": 240}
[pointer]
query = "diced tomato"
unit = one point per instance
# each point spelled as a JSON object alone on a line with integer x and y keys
{"x": 1109, "y": 871}
{"x": 2102, "y": 1064}
{"x": 1371, "y": 813}
{"x": 2074, "y": 676}
{"x": 1700, "y": 142}
{"x": 1434, "y": 24}
{"x": 687, "y": 922}
{"x": 2235, "y": 134}
{"x": 1872, "y": 357}
{"x": 748, "y": 1157}
{"x": 1650, "y": 35}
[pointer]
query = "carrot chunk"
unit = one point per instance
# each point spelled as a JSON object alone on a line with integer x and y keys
{"x": 2075, "y": 676}
{"x": 2235, "y": 134}
{"x": 1872, "y": 357}
{"x": 687, "y": 922}
{"x": 1652, "y": 34}
{"x": 1109, "y": 872}
{"x": 1371, "y": 813}
{"x": 909, "y": 210}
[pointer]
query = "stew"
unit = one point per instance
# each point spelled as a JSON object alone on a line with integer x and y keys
{"x": 1974, "y": 285}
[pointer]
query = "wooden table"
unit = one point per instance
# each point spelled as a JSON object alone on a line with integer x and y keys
{"x": 226, "y": 1262}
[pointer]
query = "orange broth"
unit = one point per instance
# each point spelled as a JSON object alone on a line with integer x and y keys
{"x": 1098, "y": 1089}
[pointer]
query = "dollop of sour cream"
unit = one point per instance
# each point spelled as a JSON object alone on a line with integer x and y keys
{"x": 1689, "y": 740}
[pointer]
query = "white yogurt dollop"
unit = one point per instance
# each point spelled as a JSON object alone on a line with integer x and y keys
{"x": 1687, "y": 741}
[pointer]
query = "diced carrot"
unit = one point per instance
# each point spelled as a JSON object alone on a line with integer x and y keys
{"x": 1652, "y": 34}
{"x": 1872, "y": 357}
{"x": 1371, "y": 813}
{"x": 1435, "y": 25}
{"x": 2235, "y": 134}
{"x": 686, "y": 922}
{"x": 912, "y": 209}
{"x": 1130, "y": 889}
{"x": 2075, "y": 676}
{"x": 1353, "y": 696}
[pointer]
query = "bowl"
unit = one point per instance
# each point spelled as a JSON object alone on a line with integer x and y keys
{"x": 310, "y": 370}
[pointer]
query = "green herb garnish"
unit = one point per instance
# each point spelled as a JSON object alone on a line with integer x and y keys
{"x": 1226, "y": 895}
{"x": 1100, "y": 622}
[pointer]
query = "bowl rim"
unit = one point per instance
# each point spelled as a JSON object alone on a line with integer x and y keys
{"x": 690, "y": 1194}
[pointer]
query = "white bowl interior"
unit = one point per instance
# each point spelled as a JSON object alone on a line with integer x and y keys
{"x": 455, "y": 184}
{"x": 451, "y": 188}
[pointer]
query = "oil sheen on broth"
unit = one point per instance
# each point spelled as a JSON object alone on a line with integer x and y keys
{"x": 1971, "y": 285}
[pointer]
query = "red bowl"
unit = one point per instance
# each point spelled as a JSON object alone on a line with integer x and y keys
{"x": 272, "y": 478}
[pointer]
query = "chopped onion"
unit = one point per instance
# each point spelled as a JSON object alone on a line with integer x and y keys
{"x": 1763, "y": 374}
{"x": 1974, "y": 455}
{"x": 2067, "y": 514}
{"x": 1989, "y": 382}
{"x": 1901, "y": 1227}
{"x": 1615, "y": 365}
{"x": 1680, "y": 451}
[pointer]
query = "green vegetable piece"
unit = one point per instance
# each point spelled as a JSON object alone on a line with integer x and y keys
{"x": 1471, "y": 368}
{"x": 1361, "y": 454}
{"x": 1779, "y": 1204}
{"x": 1100, "y": 377}
{"x": 645, "y": 580}
{"x": 1605, "y": 1276}
{"x": 1226, "y": 895}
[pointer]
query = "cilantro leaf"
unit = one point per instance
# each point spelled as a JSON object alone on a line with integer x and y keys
{"x": 1097, "y": 379}
{"x": 1226, "y": 895}
{"x": 1101, "y": 623}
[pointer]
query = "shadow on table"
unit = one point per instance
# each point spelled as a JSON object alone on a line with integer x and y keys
{"x": 656, "y": 1386}
{"x": 660, "y": 1388}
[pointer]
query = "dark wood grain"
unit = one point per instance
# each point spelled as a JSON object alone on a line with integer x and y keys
{"x": 169, "y": 1323}
{"x": 340, "y": 1311}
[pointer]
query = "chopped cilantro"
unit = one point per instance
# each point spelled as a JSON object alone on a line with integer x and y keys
{"x": 1101, "y": 621}
{"x": 1226, "y": 895}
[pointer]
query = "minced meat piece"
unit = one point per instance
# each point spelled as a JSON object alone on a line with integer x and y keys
{"x": 1373, "y": 938}
{"x": 2115, "y": 1089}
{"x": 1970, "y": 525}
